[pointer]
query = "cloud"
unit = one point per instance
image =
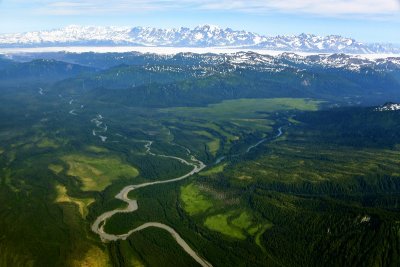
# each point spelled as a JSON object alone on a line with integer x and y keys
{"x": 313, "y": 7}
{"x": 319, "y": 7}
{"x": 93, "y": 7}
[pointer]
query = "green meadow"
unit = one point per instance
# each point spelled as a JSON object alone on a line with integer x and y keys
{"x": 194, "y": 201}
{"x": 96, "y": 173}
{"x": 243, "y": 108}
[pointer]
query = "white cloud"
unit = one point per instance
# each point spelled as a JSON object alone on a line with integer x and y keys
{"x": 315, "y": 7}
{"x": 319, "y": 7}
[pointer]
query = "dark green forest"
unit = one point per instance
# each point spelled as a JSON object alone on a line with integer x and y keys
{"x": 298, "y": 173}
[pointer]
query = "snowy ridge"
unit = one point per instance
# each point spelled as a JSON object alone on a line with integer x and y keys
{"x": 258, "y": 61}
{"x": 389, "y": 107}
{"x": 350, "y": 62}
{"x": 200, "y": 36}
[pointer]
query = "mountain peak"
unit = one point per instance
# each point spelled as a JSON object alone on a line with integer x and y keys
{"x": 208, "y": 27}
{"x": 389, "y": 107}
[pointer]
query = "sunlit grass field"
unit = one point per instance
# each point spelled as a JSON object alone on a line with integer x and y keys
{"x": 96, "y": 173}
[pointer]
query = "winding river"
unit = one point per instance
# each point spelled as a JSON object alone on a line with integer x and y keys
{"x": 264, "y": 140}
{"x": 277, "y": 135}
{"x": 99, "y": 223}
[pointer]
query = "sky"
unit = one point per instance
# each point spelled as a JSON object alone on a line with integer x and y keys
{"x": 364, "y": 20}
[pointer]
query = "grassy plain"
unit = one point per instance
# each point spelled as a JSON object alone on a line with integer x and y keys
{"x": 213, "y": 170}
{"x": 220, "y": 223}
{"x": 96, "y": 173}
{"x": 194, "y": 200}
{"x": 243, "y": 108}
{"x": 97, "y": 149}
{"x": 82, "y": 203}
{"x": 94, "y": 257}
{"x": 47, "y": 143}
{"x": 213, "y": 145}
{"x": 244, "y": 221}
{"x": 57, "y": 169}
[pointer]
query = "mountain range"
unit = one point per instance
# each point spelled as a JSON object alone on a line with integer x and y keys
{"x": 208, "y": 64}
{"x": 200, "y": 36}
{"x": 188, "y": 79}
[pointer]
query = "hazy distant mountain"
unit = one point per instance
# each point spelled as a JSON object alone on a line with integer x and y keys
{"x": 201, "y": 36}
{"x": 389, "y": 107}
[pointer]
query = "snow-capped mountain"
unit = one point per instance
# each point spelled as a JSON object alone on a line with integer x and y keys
{"x": 253, "y": 60}
{"x": 344, "y": 61}
{"x": 208, "y": 62}
{"x": 389, "y": 107}
{"x": 201, "y": 36}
